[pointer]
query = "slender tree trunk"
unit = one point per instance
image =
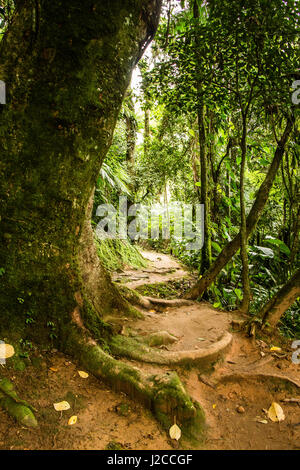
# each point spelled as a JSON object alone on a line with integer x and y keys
{"x": 228, "y": 187}
{"x": 146, "y": 131}
{"x": 274, "y": 309}
{"x": 213, "y": 174}
{"x": 131, "y": 126}
{"x": 195, "y": 164}
{"x": 295, "y": 237}
{"x": 206, "y": 250}
{"x": 146, "y": 106}
{"x": 244, "y": 307}
{"x": 257, "y": 208}
{"x": 193, "y": 147}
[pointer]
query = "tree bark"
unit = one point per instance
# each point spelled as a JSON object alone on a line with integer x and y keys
{"x": 66, "y": 78}
{"x": 273, "y": 310}
{"x": 244, "y": 307}
{"x": 257, "y": 208}
{"x": 206, "y": 250}
{"x": 131, "y": 129}
{"x": 65, "y": 86}
{"x": 204, "y": 198}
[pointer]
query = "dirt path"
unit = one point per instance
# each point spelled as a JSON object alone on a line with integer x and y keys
{"x": 234, "y": 393}
{"x": 195, "y": 326}
{"x": 161, "y": 267}
{"x": 237, "y": 392}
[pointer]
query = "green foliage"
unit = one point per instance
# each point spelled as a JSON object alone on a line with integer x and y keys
{"x": 116, "y": 254}
{"x": 113, "y": 445}
{"x": 290, "y": 323}
{"x": 7, "y": 8}
{"x": 238, "y": 59}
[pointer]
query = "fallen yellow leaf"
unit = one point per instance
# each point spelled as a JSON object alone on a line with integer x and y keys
{"x": 275, "y": 348}
{"x": 214, "y": 405}
{"x": 61, "y": 406}
{"x": 258, "y": 419}
{"x": 6, "y": 351}
{"x": 275, "y": 413}
{"x": 72, "y": 420}
{"x": 175, "y": 432}
{"x": 54, "y": 369}
{"x": 83, "y": 374}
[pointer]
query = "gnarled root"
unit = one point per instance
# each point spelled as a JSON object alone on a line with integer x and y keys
{"x": 277, "y": 380}
{"x": 135, "y": 349}
{"x": 159, "y": 338}
{"x": 135, "y": 298}
{"x": 163, "y": 394}
{"x": 16, "y": 408}
{"x": 168, "y": 302}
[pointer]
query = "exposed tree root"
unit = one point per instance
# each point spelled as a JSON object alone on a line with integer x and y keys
{"x": 16, "y": 408}
{"x": 275, "y": 379}
{"x": 169, "y": 303}
{"x": 134, "y": 297}
{"x": 134, "y": 348}
{"x": 160, "y": 338}
{"x": 163, "y": 394}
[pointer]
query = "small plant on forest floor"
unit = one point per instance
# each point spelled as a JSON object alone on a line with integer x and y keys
{"x": 29, "y": 317}
{"x": 26, "y": 347}
{"x": 122, "y": 409}
{"x": 113, "y": 445}
{"x": 168, "y": 290}
{"x": 52, "y": 327}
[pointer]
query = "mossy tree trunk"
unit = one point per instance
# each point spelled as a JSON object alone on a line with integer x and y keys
{"x": 131, "y": 130}
{"x": 143, "y": 67}
{"x": 67, "y": 66}
{"x": 274, "y": 309}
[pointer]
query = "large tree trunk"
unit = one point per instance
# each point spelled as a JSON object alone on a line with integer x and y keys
{"x": 273, "y": 310}
{"x": 67, "y": 67}
{"x": 257, "y": 208}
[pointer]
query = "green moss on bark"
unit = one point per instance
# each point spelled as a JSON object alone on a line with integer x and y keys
{"x": 16, "y": 408}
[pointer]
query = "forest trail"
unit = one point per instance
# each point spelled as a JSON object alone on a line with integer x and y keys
{"x": 235, "y": 392}
{"x": 161, "y": 268}
{"x": 195, "y": 326}
{"x": 199, "y": 324}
